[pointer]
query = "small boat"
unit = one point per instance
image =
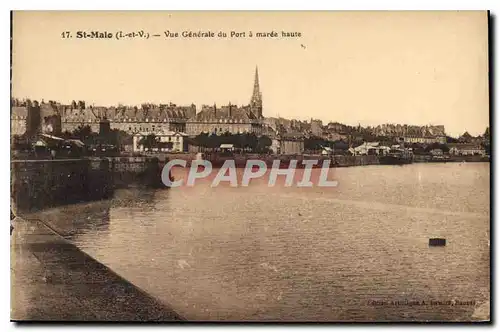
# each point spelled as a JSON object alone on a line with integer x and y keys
{"x": 440, "y": 159}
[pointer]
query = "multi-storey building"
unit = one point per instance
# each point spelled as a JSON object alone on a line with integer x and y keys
{"x": 424, "y": 139}
{"x": 393, "y": 130}
{"x": 230, "y": 118}
{"x": 147, "y": 118}
{"x": 316, "y": 127}
{"x": 167, "y": 141}
{"x": 55, "y": 118}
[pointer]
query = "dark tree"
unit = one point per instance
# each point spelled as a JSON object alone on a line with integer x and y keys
{"x": 149, "y": 142}
{"x": 82, "y": 132}
{"x": 263, "y": 144}
{"x": 436, "y": 145}
{"x": 118, "y": 137}
{"x": 317, "y": 143}
{"x": 340, "y": 145}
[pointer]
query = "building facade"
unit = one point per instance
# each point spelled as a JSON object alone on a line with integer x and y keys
{"x": 425, "y": 139}
{"x": 466, "y": 149}
{"x": 55, "y": 118}
{"x": 288, "y": 144}
{"x": 132, "y": 120}
{"x": 166, "y": 141}
{"x": 230, "y": 118}
{"x": 394, "y": 130}
{"x": 18, "y": 120}
{"x": 291, "y": 146}
{"x": 316, "y": 127}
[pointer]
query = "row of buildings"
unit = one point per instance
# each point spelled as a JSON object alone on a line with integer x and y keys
{"x": 149, "y": 118}
{"x": 409, "y": 134}
{"x": 174, "y": 122}
{"x": 167, "y": 121}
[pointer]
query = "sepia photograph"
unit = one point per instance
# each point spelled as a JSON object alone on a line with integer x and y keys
{"x": 250, "y": 166}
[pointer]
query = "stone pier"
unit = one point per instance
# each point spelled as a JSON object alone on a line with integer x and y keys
{"x": 52, "y": 280}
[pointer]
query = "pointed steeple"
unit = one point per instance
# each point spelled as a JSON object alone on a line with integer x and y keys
{"x": 256, "y": 89}
{"x": 256, "y": 101}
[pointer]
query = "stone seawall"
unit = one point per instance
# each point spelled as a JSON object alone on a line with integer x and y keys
{"x": 132, "y": 171}
{"x": 240, "y": 159}
{"x": 450, "y": 158}
{"x": 335, "y": 161}
{"x": 346, "y": 161}
{"x": 52, "y": 280}
{"x": 38, "y": 184}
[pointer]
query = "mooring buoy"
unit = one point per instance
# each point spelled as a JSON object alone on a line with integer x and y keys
{"x": 437, "y": 242}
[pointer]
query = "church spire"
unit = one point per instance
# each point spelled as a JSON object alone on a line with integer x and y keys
{"x": 256, "y": 101}
{"x": 256, "y": 89}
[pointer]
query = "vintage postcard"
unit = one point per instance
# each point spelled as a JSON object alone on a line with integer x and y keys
{"x": 250, "y": 166}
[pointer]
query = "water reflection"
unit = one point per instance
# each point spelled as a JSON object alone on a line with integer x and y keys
{"x": 137, "y": 197}
{"x": 82, "y": 218}
{"x": 259, "y": 253}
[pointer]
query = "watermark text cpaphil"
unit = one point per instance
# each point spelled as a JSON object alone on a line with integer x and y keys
{"x": 254, "y": 169}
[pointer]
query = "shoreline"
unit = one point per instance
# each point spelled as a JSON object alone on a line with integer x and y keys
{"x": 53, "y": 280}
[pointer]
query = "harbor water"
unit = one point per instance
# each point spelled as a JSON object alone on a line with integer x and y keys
{"x": 355, "y": 252}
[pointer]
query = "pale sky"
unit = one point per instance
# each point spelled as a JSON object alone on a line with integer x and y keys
{"x": 352, "y": 67}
